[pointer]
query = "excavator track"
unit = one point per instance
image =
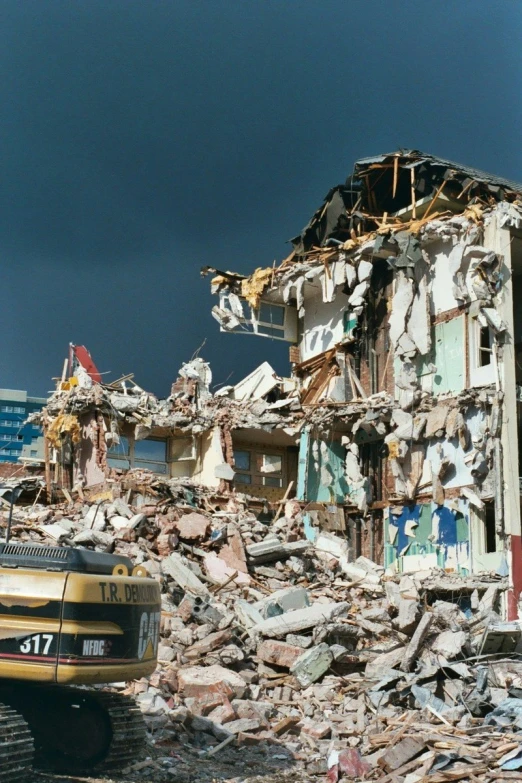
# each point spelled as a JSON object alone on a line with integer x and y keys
{"x": 74, "y": 730}
{"x": 16, "y": 747}
{"x": 94, "y": 731}
{"x": 128, "y": 730}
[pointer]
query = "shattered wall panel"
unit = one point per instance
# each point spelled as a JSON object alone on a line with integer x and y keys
{"x": 446, "y": 260}
{"x": 321, "y": 472}
{"x": 323, "y": 324}
{"x": 443, "y": 371}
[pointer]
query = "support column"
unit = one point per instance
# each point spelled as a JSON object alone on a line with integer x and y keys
{"x": 499, "y": 240}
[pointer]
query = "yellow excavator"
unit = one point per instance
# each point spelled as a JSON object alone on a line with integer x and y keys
{"x": 70, "y": 620}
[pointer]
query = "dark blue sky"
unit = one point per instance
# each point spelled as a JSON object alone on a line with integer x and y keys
{"x": 142, "y": 140}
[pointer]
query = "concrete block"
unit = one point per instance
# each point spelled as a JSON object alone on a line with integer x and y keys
{"x": 198, "y": 680}
{"x": 287, "y": 600}
{"x": 224, "y": 713}
{"x": 300, "y": 620}
{"x": 192, "y": 526}
{"x": 416, "y": 642}
{"x": 279, "y": 653}
{"x": 317, "y": 730}
{"x": 271, "y": 549}
{"x": 247, "y": 614}
{"x": 299, "y": 641}
{"x": 119, "y": 523}
{"x": 243, "y": 725}
{"x": 381, "y": 665}
{"x": 406, "y": 620}
{"x": 449, "y": 644}
{"x": 183, "y": 575}
{"x": 95, "y": 518}
{"x": 211, "y": 642}
{"x": 400, "y": 753}
{"x": 312, "y": 664}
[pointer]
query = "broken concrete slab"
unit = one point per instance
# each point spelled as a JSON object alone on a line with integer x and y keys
{"x": 221, "y": 573}
{"x": 177, "y": 569}
{"x": 449, "y": 644}
{"x": 404, "y": 751}
{"x": 300, "y": 620}
{"x": 192, "y": 526}
{"x": 312, "y": 664}
{"x": 278, "y": 653}
{"x": 199, "y": 680}
{"x": 270, "y": 550}
{"x": 416, "y": 642}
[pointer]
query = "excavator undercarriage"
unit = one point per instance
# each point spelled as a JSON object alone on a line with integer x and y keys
{"x": 66, "y": 730}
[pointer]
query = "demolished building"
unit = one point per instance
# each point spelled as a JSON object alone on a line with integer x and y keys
{"x": 398, "y": 426}
{"x": 399, "y": 302}
{"x": 280, "y": 515}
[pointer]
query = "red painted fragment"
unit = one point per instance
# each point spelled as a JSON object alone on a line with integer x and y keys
{"x": 85, "y": 359}
{"x": 516, "y": 577}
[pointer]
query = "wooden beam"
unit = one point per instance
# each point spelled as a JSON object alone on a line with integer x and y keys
{"x": 395, "y": 175}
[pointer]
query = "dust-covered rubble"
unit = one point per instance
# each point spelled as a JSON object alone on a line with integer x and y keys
{"x": 279, "y": 644}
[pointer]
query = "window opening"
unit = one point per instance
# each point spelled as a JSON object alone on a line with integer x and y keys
{"x": 150, "y": 454}
{"x": 485, "y": 348}
{"x": 258, "y": 467}
{"x": 490, "y": 537}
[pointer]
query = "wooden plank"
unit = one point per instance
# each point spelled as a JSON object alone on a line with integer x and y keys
{"x": 283, "y": 501}
{"x": 413, "y": 207}
{"x": 401, "y": 753}
{"x": 395, "y": 175}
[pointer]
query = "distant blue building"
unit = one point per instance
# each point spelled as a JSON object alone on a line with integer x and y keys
{"x": 17, "y": 439}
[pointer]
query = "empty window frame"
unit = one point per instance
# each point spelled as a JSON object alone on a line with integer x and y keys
{"x": 484, "y": 346}
{"x": 150, "y": 454}
{"x": 119, "y": 454}
{"x": 278, "y": 321}
{"x": 490, "y": 536}
{"x": 481, "y": 352}
{"x": 259, "y": 468}
{"x": 182, "y": 449}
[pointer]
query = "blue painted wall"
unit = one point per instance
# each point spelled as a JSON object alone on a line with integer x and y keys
{"x": 439, "y": 530}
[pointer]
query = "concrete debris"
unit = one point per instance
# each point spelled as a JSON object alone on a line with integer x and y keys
{"x": 341, "y": 667}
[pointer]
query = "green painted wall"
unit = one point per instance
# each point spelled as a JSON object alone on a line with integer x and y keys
{"x": 317, "y": 457}
{"x": 447, "y": 354}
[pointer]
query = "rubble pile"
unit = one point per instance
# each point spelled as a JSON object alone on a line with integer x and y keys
{"x": 272, "y": 638}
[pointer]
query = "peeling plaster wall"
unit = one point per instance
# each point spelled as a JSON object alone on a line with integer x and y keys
{"x": 444, "y": 257}
{"x": 210, "y": 455}
{"x": 321, "y": 471}
{"x": 459, "y": 473}
{"x": 426, "y": 535}
{"x": 323, "y": 322}
{"x": 448, "y": 356}
{"x": 88, "y": 467}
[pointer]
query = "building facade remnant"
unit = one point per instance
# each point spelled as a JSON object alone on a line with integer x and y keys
{"x": 397, "y": 428}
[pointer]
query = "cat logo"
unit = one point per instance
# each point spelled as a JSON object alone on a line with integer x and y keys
{"x": 149, "y": 635}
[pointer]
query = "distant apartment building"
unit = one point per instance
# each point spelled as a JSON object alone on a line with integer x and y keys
{"x": 18, "y": 440}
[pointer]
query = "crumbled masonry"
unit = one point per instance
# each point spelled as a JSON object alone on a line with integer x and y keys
{"x": 315, "y": 664}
